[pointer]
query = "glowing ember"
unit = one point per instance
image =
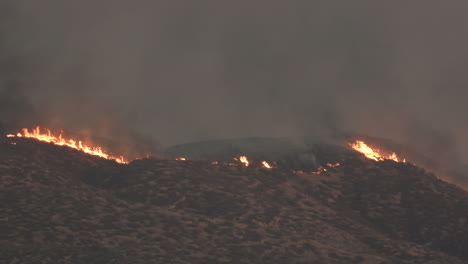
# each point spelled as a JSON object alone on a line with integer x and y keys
{"x": 181, "y": 158}
{"x": 320, "y": 170}
{"x": 266, "y": 165}
{"x": 373, "y": 154}
{"x": 244, "y": 160}
{"x": 59, "y": 140}
{"x": 323, "y": 169}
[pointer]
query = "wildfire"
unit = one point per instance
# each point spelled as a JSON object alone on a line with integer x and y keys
{"x": 244, "y": 160}
{"x": 266, "y": 165}
{"x": 320, "y": 170}
{"x": 373, "y": 154}
{"x": 47, "y": 136}
{"x": 324, "y": 169}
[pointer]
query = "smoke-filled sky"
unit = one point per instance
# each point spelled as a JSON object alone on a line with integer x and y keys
{"x": 181, "y": 71}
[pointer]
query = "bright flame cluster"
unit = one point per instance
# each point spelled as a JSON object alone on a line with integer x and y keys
{"x": 266, "y": 165}
{"x": 373, "y": 154}
{"x": 244, "y": 160}
{"x": 47, "y": 136}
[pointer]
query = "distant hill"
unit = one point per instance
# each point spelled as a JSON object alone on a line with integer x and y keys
{"x": 62, "y": 206}
{"x": 292, "y": 153}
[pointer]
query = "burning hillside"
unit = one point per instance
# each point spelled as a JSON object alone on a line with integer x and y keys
{"x": 359, "y": 146}
{"x": 65, "y": 205}
{"x": 47, "y": 136}
{"x": 373, "y": 153}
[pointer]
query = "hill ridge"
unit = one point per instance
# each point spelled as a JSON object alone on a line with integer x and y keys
{"x": 60, "y": 205}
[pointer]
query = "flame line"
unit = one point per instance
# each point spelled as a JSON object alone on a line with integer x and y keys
{"x": 373, "y": 154}
{"x": 61, "y": 141}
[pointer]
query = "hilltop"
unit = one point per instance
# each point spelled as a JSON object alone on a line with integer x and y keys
{"x": 60, "y": 205}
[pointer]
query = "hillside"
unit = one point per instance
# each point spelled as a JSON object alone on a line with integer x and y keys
{"x": 62, "y": 206}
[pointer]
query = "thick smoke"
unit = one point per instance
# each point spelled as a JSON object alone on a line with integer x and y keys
{"x": 180, "y": 71}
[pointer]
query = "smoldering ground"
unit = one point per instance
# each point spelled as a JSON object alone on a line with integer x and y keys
{"x": 181, "y": 71}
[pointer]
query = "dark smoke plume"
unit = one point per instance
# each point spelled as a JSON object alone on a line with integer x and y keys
{"x": 181, "y": 71}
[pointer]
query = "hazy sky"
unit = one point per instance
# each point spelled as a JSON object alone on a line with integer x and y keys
{"x": 180, "y": 71}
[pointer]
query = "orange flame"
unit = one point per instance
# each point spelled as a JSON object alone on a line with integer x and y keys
{"x": 181, "y": 158}
{"x": 320, "y": 170}
{"x": 244, "y": 160}
{"x": 59, "y": 140}
{"x": 373, "y": 154}
{"x": 324, "y": 169}
{"x": 266, "y": 165}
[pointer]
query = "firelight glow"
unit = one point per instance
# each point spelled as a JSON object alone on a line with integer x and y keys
{"x": 244, "y": 160}
{"x": 47, "y": 136}
{"x": 266, "y": 165}
{"x": 373, "y": 154}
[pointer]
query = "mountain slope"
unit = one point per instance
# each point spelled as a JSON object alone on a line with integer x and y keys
{"x": 62, "y": 206}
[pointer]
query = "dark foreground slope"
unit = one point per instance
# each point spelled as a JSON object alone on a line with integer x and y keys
{"x": 61, "y": 206}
